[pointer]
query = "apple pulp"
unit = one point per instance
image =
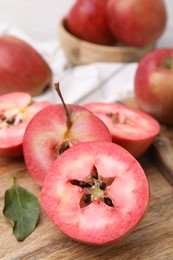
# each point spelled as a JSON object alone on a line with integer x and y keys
{"x": 131, "y": 128}
{"x": 95, "y": 192}
{"x": 154, "y": 84}
{"x": 87, "y": 20}
{"x": 47, "y": 136}
{"x": 137, "y": 22}
{"x": 16, "y": 110}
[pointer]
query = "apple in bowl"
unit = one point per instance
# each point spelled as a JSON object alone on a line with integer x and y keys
{"x": 154, "y": 84}
{"x": 129, "y": 127}
{"x": 137, "y": 22}
{"x": 87, "y": 20}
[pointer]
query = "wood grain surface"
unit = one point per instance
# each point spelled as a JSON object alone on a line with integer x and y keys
{"x": 152, "y": 239}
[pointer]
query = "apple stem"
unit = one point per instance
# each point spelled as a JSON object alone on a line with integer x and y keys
{"x": 168, "y": 63}
{"x": 68, "y": 119}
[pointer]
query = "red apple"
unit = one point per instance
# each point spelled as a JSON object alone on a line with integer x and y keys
{"x": 154, "y": 85}
{"x": 87, "y": 20}
{"x": 130, "y": 128}
{"x": 16, "y": 110}
{"x": 137, "y": 22}
{"x": 95, "y": 192}
{"x": 55, "y": 129}
{"x": 22, "y": 68}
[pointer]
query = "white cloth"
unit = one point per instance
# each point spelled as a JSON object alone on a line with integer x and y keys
{"x": 94, "y": 82}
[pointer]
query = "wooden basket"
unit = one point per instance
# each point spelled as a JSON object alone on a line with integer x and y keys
{"x": 80, "y": 52}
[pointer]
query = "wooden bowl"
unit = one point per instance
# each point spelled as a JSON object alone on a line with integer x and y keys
{"x": 80, "y": 52}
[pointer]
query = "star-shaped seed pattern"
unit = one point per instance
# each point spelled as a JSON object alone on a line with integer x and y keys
{"x": 95, "y": 188}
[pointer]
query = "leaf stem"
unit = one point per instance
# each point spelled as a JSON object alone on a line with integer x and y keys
{"x": 13, "y": 181}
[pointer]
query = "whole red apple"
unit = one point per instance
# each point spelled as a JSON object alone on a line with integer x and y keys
{"x": 137, "y": 22}
{"x": 87, "y": 20}
{"x": 22, "y": 68}
{"x": 96, "y": 193}
{"x": 154, "y": 84}
{"x": 16, "y": 110}
{"x": 130, "y": 128}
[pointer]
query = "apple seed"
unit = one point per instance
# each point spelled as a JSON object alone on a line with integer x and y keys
{"x": 95, "y": 189}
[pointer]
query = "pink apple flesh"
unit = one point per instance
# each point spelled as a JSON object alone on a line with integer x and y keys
{"x": 130, "y": 128}
{"x": 114, "y": 181}
{"x": 16, "y": 110}
{"x": 47, "y": 136}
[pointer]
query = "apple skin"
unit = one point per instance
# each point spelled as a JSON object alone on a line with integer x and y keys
{"x": 154, "y": 84}
{"x": 22, "y": 68}
{"x": 129, "y": 127}
{"x": 47, "y": 133}
{"x": 87, "y": 20}
{"x": 96, "y": 223}
{"x": 137, "y": 22}
{"x": 11, "y": 135}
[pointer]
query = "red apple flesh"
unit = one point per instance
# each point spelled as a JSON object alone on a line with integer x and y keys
{"x": 87, "y": 20}
{"x": 95, "y": 193}
{"x": 16, "y": 110}
{"x": 154, "y": 84}
{"x": 48, "y": 135}
{"x": 130, "y": 128}
{"x": 22, "y": 68}
{"x": 137, "y": 22}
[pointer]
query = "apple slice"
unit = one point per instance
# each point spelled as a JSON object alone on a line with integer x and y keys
{"x": 131, "y": 128}
{"x": 95, "y": 192}
{"x": 16, "y": 110}
{"x": 54, "y": 130}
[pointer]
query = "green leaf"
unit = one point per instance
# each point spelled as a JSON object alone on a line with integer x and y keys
{"x": 22, "y": 209}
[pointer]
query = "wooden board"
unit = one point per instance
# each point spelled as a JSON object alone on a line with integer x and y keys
{"x": 152, "y": 239}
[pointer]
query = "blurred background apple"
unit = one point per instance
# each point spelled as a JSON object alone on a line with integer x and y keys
{"x": 87, "y": 20}
{"x": 137, "y": 22}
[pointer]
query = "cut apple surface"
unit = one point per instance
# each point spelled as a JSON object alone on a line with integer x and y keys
{"x": 131, "y": 128}
{"x": 95, "y": 192}
{"x": 50, "y": 133}
{"x": 16, "y": 110}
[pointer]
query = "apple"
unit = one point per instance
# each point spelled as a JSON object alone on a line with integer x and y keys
{"x": 95, "y": 192}
{"x": 16, "y": 110}
{"x": 137, "y": 22}
{"x": 154, "y": 84}
{"x": 87, "y": 20}
{"x": 129, "y": 127}
{"x": 22, "y": 68}
{"x": 54, "y": 130}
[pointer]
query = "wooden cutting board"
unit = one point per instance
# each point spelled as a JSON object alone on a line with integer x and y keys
{"x": 152, "y": 239}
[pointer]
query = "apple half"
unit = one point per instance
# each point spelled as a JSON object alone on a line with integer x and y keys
{"x": 16, "y": 110}
{"x": 131, "y": 128}
{"x": 96, "y": 193}
{"x": 55, "y": 129}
